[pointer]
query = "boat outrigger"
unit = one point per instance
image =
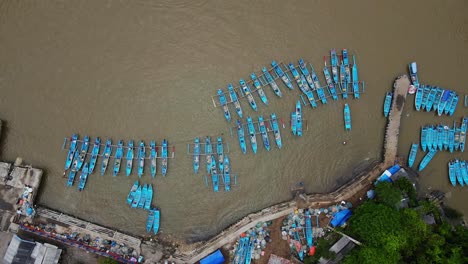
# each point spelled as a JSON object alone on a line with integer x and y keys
{"x": 252, "y": 134}
{"x": 118, "y": 157}
{"x": 71, "y": 151}
{"x": 106, "y": 156}
{"x": 235, "y": 100}
{"x": 258, "y": 88}
{"x": 276, "y": 130}
{"x": 284, "y": 76}
{"x": 412, "y": 155}
{"x": 94, "y": 155}
{"x": 271, "y": 82}
{"x": 196, "y": 155}
{"x": 141, "y": 158}
{"x": 347, "y": 117}
{"x": 164, "y": 157}
{"x": 153, "y": 157}
{"x": 247, "y": 92}
{"x": 130, "y": 155}
{"x": 241, "y": 136}
{"x": 223, "y": 102}
{"x": 263, "y": 131}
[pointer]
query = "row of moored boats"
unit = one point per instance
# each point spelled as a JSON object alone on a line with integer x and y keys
{"x": 260, "y": 126}
{"x": 141, "y": 196}
{"x": 458, "y": 172}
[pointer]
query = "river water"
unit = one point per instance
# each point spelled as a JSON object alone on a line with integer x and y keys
{"x": 147, "y": 70}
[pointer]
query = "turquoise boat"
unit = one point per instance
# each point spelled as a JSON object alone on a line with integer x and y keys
{"x": 79, "y": 160}
{"x": 252, "y": 134}
{"x": 347, "y": 117}
{"x": 164, "y": 157}
{"x": 438, "y": 98}
{"x": 208, "y": 152}
{"x": 430, "y": 99}
{"x": 153, "y": 157}
{"x": 276, "y": 130}
{"x": 306, "y": 73}
{"x": 427, "y": 91}
{"x": 241, "y": 136}
{"x": 83, "y": 177}
{"x": 294, "y": 123}
{"x": 214, "y": 175}
{"x": 427, "y": 159}
{"x": 418, "y": 98}
{"x": 453, "y": 104}
{"x": 449, "y": 102}
{"x": 220, "y": 153}
{"x": 71, "y": 151}
{"x": 224, "y": 105}
{"x": 347, "y": 69}
{"x": 141, "y": 158}
{"x": 196, "y": 155}
{"x": 457, "y": 137}
{"x": 94, "y": 155}
{"x": 150, "y": 221}
{"x": 149, "y": 197}
{"x": 272, "y": 82}
{"x": 424, "y": 138}
{"x": 157, "y": 215}
{"x": 298, "y": 118}
{"x": 302, "y": 84}
{"x": 446, "y": 138}
{"x": 440, "y": 137}
{"x": 71, "y": 177}
{"x": 144, "y": 193}
{"x": 308, "y": 228}
{"x": 130, "y": 156}
{"x": 284, "y": 76}
{"x": 118, "y": 157}
{"x": 452, "y": 175}
{"x": 106, "y": 155}
{"x": 245, "y": 89}
{"x": 330, "y": 84}
{"x": 464, "y": 172}
{"x": 334, "y": 65}
{"x": 311, "y": 99}
{"x": 318, "y": 87}
{"x": 387, "y": 103}
{"x": 343, "y": 84}
{"x": 444, "y": 100}
{"x": 136, "y": 197}
{"x": 258, "y": 88}
{"x": 263, "y": 131}
{"x": 413, "y": 69}
{"x": 355, "y": 79}
{"x": 235, "y": 100}
{"x": 227, "y": 174}
{"x": 132, "y": 192}
{"x": 412, "y": 154}
{"x": 451, "y": 139}
{"x": 458, "y": 173}
{"x": 464, "y": 126}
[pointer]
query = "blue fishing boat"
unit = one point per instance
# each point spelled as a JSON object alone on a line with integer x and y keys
{"x": 132, "y": 192}
{"x": 106, "y": 156}
{"x": 276, "y": 131}
{"x": 247, "y": 92}
{"x": 355, "y": 79}
{"x": 430, "y": 99}
{"x": 208, "y": 152}
{"x": 347, "y": 117}
{"x": 424, "y": 138}
{"x": 452, "y": 176}
{"x": 71, "y": 177}
{"x": 453, "y": 104}
{"x": 157, "y": 215}
{"x": 427, "y": 91}
{"x": 144, "y": 193}
{"x": 150, "y": 221}
{"x": 446, "y": 138}
{"x": 388, "y": 103}
{"x": 308, "y": 228}
{"x": 343, "y": 84}
{"x": 196, "y": 155}
{"x": 258, "y": 88}
{"x": 463, "y": 129}
{"x": 306, "y": 73}
{"x": 227, "y": 174}
{"x": 141, "y": 158}
{"x": 130, "y": 156}
{"x": 224, "y": 105}
{"x": 298, "y": 118}
{"x": 83, "y": 177}
{"x": 440, "y": 137}
{"x": 302, "y": 84}
{"x": 458, "y": 173}
{"x": 220, "y": 153}
{"x": 235, "y": 100}
{"x": 252, "y": 134}
{"x": 430, "y": 137}
{"x": 94, "y": 155}
{"x": 153, "y": 157}
{"x": 164, "y": 157}
{"x": 241, "y": 136}
{"x": 271, "y": 82}
{"x": 444, "y": 100}
{"x": 412, "y": 155}
{"x": 149, "y": 197}
{"x": 464, "y": 172}
{"x": 449, "y": 102}
{"x": 457, "y": 137}
{"x": 330, "y": 84}
{"x": 294, "y": 123}
{"x": 418, "y": 98}
{"x": 318, "y": 87}
{"x": 263, "y": 131}
{"x": 347, "y": 69}
{"x": 214, "y": 175}
{"x": 438, "y": 99}
{"x": 78, "y": 162}
{"x": 284, "y": 76}
{"x": 71, "y": 151}
{"x": 427, "y": 159}
{"x": 451, "y": 139}
{"x": 118, "y": 157}
{"x": 334, "y": 65}
{"x": 413, "y": 69}
{"x": 136, "y": 197}
{"x": 311, "y": 99}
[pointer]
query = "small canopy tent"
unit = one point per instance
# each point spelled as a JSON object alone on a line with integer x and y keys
{"x": 214, "y": 258}
{"x": 340, "y": 218}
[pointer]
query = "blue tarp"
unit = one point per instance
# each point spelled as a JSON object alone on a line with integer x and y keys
{"x": 214, "y": 258}
{"x": 340, "y": 218}
{"x": 394, "y": 169}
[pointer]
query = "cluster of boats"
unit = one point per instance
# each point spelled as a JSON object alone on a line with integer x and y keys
{"x": 243, "y": 254}
{"x": 264, "y": 126}
{"x": 340, "y": 79}
{"x": 141, "y": 196}
{"x": 443, "y": 137}
{"x": 458, "y": 172}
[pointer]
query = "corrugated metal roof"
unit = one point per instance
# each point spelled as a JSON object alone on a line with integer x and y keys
{"x": 27, "y": 252}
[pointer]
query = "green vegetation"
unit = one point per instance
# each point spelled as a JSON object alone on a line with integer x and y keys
{"x": 107, "y": 261}
{"x": 322, "y": 249}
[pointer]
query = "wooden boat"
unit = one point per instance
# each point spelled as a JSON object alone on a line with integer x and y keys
{"x": 150, "y": 221}
{"x": 298, "y": 118}
{"x": 430, "y": 99}
{"x": 71, "y": 151}
{"x": 227, "y": 174}
{"x": 153, "y": 157}
{"x": 79, "y": 160}
{"x": 263, "y": 131}
{"x": 284, "y": 76}
{"x": 130, "y": 155}
{"x": 334, "y": 65}
{"x": 214, "y": 175}
{"x": 464, "y": 172}
{"x": 451, "y": 139}
{"x": 444, "y": 100}
{"x": 343, "y": 84}
{"x": 427, "y": 91}
{"x": 311, "y": 99}
{"x": 164, "y": 157}
{"x": 412, "y": 155}
{"x": 418, "y": 98}
{"x": 83, "y": 177}
{"x": 388, "y": 103}
{"x": 196, "y": 155}
{"x": 71, "y": 177}
{"x": 106, "y": 156}
{"x": 157, "y": 215}
{"x": 347, "y": 68}
{"x": 355, "y": 79}
{"x": 235, "y": 100}
{"x": 141, "y": 158}
{"x": 431, "y": 138}
{"x": 457, "y": 137}
{"x": 302, "y": 84}
{"x": 132, "y": 192}
{"x": 149, "y": 197}
{"x": 427, "y": 159}
{"x": 438, "y": 98}
{"x": 440, "y": 137}
{"x": 294, "y": 123}
{"x": 276, "y": 130}
{"x": 347, "y": 117}
{"x": 413, "y": 69}
{"x": 458, "y": 173}
{"x": 94, "y": 155}
{"x": 306, "y": 73}
{"x": 449, "y": 103}
{"x": 258, "y": 88}
{"x": 208, "y": 152}
{"x": 136, "y": 197}
{"x": 144, "y": 192}
{"x": 252, "y": 134}
{"x": 424, "y": 138}
{"x": 308, "y": 228}
{"x": 220, "y": 153}
{"x": 271, "y": 82}
{"x": 463, "y": 129}
{"x": 318, "y": 87}
{"x": 453, "y": 104}
{"x": 330, "y": 84}
{"x": 118, "y": 157}
{"x": 224, "y": 106}
{"x": 446, "y": 138}
{"x": 245, "y": 89}
{"x": 241, "y": 136}
{"x": 452, "y": 175}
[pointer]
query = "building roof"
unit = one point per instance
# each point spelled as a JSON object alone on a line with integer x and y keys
{"x": 22, "y": 251}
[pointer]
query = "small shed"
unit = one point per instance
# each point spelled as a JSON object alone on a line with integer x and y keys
{"x": 21, "y": 251}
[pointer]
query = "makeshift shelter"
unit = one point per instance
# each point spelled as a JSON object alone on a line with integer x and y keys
{"x": 340, "y": 218}
{"x": 22, "y": 251}
{"x": 214, "y": 258}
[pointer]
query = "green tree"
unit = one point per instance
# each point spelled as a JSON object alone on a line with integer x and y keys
{"x": 107, "y": 261}
{"x": 387, "y": 194}
{"x": 407, "y": 187}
